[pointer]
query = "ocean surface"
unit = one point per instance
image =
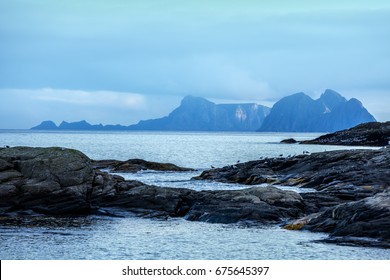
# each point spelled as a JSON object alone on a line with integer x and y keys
{"x": 131, "y": 237}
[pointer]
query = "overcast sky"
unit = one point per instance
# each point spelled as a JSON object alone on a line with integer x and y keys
{"x": 120, "y": 61}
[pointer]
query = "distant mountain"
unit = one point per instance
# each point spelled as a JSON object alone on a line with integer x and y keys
{"x": 45, "y": 125}
{"x": 199, "y": 114}
{"x": 300, "y": 113}
{"x": 193, "y": 114}
{"x": 294, "y": 113}
{"x": 81, "y": 125}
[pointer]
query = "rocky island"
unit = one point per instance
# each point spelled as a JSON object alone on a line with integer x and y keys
{"x": 371, "y": 134}
{"x": 374, "y": 134}
{"x": 351, "y": 200}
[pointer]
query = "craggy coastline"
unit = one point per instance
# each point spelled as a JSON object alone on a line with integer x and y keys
{"x": 351, "y": 201}
{"x": 371, "y": 134}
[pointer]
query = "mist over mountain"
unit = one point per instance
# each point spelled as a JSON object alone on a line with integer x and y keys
{"x": 300, "y": 113}
{"x": 294, "y": 113}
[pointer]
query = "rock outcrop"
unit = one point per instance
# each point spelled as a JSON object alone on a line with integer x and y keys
{"x": 353, "y": 191}
{"x": 63, "y": 181}
{"x": 45, "y": 180}
{"x": 352, "y": 201}
{"x": 373, "y": 134}
{"x": 254, "y": 204}
{"x": 365, "y": 168}
{"x": 365, "y": 222}
{"x": 136, "y": 165}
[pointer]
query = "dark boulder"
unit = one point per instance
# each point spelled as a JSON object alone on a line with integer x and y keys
{"x": 46, "y": 180}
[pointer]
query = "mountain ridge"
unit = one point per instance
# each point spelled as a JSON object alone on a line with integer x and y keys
{"x": 294, "y": 113}
{"x": 199, "y": 114}
{"x": 300, "y": 113}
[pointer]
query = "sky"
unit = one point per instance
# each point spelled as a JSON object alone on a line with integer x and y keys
{"x": 120, "y": 61}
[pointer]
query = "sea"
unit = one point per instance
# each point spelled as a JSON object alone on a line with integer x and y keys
{"x": 135, "y": 238}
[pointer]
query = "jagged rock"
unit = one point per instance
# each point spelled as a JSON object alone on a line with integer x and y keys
{"x": 368, "y": 218}
{"x": 63, "y": 181}
{"x": 254, "y": 204}
{"x": 367, "y": 170}
{"x": 46, "y": 180}
{"x": 352, "y": 197}
{"x": 366, "y": 134}
{"x": 135, "y": 165}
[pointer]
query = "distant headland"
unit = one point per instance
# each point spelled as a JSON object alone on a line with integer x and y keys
{"x": 294, "y": 113}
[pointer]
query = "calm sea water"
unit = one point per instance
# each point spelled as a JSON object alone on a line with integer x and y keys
{"x": 96, "y": 237}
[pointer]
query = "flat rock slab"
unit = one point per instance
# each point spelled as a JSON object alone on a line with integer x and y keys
{"x": 136, "y": 165}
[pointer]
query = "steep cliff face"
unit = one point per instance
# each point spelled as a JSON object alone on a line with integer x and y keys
{"x": 294, "y": 113}
{"x": 300, "y": 113}
{"x": 199, "y": 114}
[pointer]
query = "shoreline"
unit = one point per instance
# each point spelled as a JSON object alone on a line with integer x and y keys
{"x": 58, "y": 181}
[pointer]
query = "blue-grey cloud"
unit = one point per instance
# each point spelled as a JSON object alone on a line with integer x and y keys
{"x": 217, "y": 49}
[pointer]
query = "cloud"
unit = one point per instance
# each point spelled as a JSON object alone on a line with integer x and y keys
{"x": 97, "y": 59}
{"x": 95, "y": 98}
{"x": 24, "y": 108}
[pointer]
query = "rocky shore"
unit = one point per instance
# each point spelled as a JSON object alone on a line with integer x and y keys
{"x": 352, "y": 198}
{"x": 351, "y": 201}
{"x": 372, "y": 134}
{"x": 57, "y": 181}
{"x": 136, "y": 165}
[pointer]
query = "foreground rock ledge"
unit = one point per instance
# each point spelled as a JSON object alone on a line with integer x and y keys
{"x": 63, "y": 181}
{"x": 352, "y": 201}
{"x": 352, "y": 197}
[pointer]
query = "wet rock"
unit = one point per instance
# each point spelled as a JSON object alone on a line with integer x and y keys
{"x": 261, "y": 204}
{"x": 135, "y": 165}
{"x": 367, "y": 134}
{"x": 367, "y": 170}
{"x": 45, "y": 180}
{"x": 289, "y": 141}
{"x": 63, "y": 181}
{"x": 352, "y": 198}
{"x": 367, "y": 218}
